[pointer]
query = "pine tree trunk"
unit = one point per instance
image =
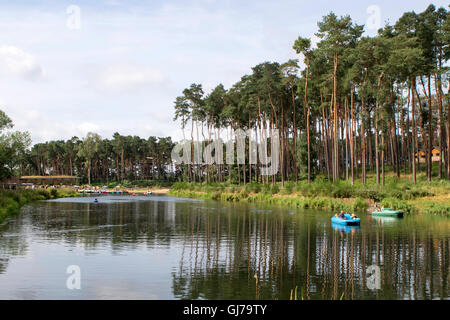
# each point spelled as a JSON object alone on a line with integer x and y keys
{"x": 413, "y": 124}
{"x": 351, "y": 138}
{"x": 307, "y": 123}
{"x": 335, "y": 108}
{"x": 363, "y": 141}
{"x": 430, "y": 132}
{"x": 438, "y": 89}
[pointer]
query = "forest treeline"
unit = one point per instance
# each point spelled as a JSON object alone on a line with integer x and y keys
{"x": 354, "y": 105}
{"x": 121, "y": 159}
{"x": 359, "y": 104}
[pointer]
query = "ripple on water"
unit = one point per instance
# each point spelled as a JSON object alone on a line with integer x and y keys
{"x": 203, "y": 249}
{"x": 121, "y": 198}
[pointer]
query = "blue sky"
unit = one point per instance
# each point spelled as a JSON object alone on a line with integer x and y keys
{"x": 122, "y": 66}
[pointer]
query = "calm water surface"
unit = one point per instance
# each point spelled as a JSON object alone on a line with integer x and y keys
{"x": 160, "y": 247}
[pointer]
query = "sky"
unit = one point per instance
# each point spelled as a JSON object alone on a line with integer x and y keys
{"x": 72, "y": 67}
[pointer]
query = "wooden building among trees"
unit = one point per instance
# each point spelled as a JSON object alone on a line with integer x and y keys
{"x": 435, "y": 155}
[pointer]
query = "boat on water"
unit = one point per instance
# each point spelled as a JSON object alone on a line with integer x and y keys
{"x": 385, "y": 220}
{"x": 88, "y": 191}
{"x": 345, "y": 228}
{"x": 348, "y": 221}
{"x": 387, "y": 212}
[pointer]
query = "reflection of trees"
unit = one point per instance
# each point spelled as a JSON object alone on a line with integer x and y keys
{"x": 222, "y": 247}
{"x": 223, "y": 251}
{"x": 14, "y": 244}
{"x": 117, "y": 225}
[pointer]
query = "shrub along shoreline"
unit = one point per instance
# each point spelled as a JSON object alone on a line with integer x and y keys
{"x": 12, "y": 200}
{"x": 397, "y": 194}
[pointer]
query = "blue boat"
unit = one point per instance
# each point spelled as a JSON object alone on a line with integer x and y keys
{"x": 344, "y": 228}
{"x": 348, "y": 221}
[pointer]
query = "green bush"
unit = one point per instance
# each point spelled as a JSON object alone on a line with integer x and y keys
{"x": 342, "y": 191}
{"x": 360, "y": 205}
{"x": 275, "y": 189}
{"x": 436, "y": 208}
{"x": 216, "y": 196}
{"x": 180, "y": 186}
{"x": 288, "y": 188}
{"x": 126, "y": 183}
{"x": 370, "y": 193}
{"x": 242, "y": 194}
{"x": 253, "y": 187}
{"x": 415, "y": 193}
{"x": 112, "y": 185}
{"x": 397, "y": 204}
{"x": 12, "y": 200}
{"x": 53, "y": 192}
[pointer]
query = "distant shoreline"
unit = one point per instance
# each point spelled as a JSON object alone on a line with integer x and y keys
{"x": 138, "y": 190}
{"x": 144, "y": 190}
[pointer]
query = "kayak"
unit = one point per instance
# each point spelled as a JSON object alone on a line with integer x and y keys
{"x": 347, "y": 222}
{"x": 388, "y": 213}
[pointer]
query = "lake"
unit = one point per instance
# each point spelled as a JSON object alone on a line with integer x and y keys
{"x": 159, "y": 247}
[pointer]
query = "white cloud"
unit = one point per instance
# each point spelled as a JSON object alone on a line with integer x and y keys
{"x": 127, "y": 78}
{"x": 16, "y": 62}
{"x": 123, "y": 69}
{"x": 87, "y": 127}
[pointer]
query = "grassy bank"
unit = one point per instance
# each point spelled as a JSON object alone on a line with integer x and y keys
{"x": 424, "y": 197}
{"x": 12, "y": 200}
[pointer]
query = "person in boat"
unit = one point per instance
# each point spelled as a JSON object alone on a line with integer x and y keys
{"x": 354, "y": 217}
{"x": 95, "y": 200}
{"x": 342, "y": 215}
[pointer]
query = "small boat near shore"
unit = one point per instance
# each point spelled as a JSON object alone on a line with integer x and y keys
{"x": 118, "y": 192}
{"x": 385, "y": 220}
{"x": 386, "y": 212}
{"x": 89, "y": 191}
{"x": 348, "y": 221}
{"x": 92, "y": 191}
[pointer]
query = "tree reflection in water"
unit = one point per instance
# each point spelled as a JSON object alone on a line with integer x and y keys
{"x": 223, "y": 251}
{"x": 238, "y": 251}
